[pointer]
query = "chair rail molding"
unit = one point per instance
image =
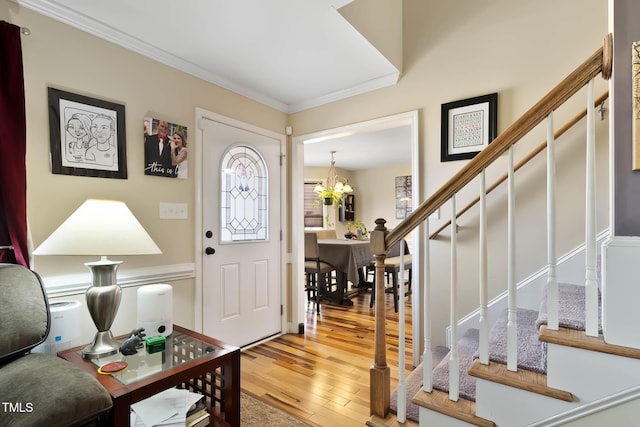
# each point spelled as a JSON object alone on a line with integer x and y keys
{"x": 73, "y": 284}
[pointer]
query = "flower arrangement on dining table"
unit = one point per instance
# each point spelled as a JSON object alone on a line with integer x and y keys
{"x": 356, "y": 230}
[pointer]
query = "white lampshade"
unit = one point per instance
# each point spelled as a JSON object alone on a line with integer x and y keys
{"x": 99, "y": 227}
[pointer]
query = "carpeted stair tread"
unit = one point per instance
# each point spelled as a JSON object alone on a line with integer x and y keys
{"x": 413, "y": 384}
{"x": 532, "y": 353}
{"x": 467, "y": 347}
{"x": 571, "y": 307}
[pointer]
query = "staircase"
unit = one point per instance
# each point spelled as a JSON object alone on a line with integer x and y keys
{"x": 555, "y": 381}
{"x": 541, "y": 360}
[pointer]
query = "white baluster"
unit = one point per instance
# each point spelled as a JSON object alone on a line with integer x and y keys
{"x": 484, "y": 321}
{"x": 552, "y": 281}
{"x": 454, "y": 364}
{"x": 401, "y": 414}
{"x": 591, "y": 287}
{"x": 512, "y": 321}
{"x": 427, "y": 357}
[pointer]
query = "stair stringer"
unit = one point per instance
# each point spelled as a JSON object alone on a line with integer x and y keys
{"x": 620, "y": 406}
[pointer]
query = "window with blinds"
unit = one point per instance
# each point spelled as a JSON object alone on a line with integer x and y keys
{"x": 312, "y": 206}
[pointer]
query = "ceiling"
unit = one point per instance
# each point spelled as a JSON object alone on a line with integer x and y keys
{"x": 368, "y": 149}
{"x": 288, "y": 54}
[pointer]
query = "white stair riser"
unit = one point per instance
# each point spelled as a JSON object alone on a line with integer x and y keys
{"x": 433, "y": 418}
{"x": 509, "y": 406}
{"x": 590, "y": 375}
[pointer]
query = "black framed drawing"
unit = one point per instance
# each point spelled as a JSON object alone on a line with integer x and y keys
{"x": 87, "y": 136}
{"x": 468, "y": 126}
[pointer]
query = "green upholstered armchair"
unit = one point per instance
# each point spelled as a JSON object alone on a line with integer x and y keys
{"x": 38, "y": 389}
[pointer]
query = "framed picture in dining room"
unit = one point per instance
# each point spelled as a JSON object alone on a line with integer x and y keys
{"x": 468, "y": 126}
{"x": 403, "y": 196}
{"x": 87, "y": 135}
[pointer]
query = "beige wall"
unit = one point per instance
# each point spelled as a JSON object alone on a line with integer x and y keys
{"x": 452, "y": 50}
{"x": 456, "y": 50}
{"x": 60, "y": 56}
{"x": 380, "y": 22}
{"x": 375, "y": 194}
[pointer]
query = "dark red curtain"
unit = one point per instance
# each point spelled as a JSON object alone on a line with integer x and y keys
{"x": 13, "y": 142}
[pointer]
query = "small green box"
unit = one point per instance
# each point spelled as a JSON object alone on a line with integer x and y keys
{"x": 155, "y": 344}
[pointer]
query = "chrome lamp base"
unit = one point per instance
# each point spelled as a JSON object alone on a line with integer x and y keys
{"x": 103, "y": 345}
{"x": 103, "y": 300}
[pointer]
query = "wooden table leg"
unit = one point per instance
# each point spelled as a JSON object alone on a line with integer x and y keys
{"x": 231, "y": 392}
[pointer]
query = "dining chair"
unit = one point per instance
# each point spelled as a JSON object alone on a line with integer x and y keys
{"x": 326, "y": 234}
{"x": 370, "y": 270}
{"x": 392, "y": 269}
{"x": 318, "y": 273}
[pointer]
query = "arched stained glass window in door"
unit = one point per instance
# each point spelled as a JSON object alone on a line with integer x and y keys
{"x": 244, "y": 195}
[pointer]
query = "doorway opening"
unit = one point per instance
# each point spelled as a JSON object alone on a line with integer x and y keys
{"x": 373, "y": 154}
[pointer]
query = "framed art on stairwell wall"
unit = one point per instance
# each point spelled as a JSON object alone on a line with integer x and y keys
{"x": 468, "y": 126}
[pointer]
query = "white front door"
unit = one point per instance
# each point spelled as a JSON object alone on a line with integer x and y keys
{"x": 241, "y": 232}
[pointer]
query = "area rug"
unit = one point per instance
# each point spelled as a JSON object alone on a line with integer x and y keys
{"x": 254, "y": 412}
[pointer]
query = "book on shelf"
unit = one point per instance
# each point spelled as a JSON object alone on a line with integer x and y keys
{"x": 197, "y": 416}
{"x": 170, "y": 408}
{"x": 201, "y": 421}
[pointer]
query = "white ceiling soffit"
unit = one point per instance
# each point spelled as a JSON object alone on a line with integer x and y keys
{"x": 288, "y": 54}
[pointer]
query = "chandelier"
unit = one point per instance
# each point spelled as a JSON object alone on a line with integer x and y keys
{"x": 336, "y": 185}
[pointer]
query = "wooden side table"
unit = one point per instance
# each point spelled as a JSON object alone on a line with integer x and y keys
{"x": 191, "y": 360}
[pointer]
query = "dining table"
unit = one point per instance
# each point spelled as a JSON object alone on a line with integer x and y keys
{"x": 348, "y": 256}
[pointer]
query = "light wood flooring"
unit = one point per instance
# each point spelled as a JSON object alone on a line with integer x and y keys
{"x": 322, "y": 377}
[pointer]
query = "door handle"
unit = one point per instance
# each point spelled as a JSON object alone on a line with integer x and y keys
{"x": 209, "y": 251}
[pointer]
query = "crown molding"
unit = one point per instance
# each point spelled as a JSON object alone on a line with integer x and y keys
{"x": 89, "y": 25}
{"x": 371, "y": 85}
{"x": 82, "y": 22}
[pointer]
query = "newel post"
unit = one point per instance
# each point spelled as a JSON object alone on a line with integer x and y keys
{"x": 379, "y": 374}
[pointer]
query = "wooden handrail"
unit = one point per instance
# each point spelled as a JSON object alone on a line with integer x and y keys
{"x": 381, "y": 239}
{"x": 568, "y": 87}
{"x": 524, "y": 161}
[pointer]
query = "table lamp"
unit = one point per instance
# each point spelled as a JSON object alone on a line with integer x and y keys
{"x": 102, "y": 228}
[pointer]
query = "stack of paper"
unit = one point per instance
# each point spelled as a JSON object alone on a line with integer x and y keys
{"x": 167, "y": 408}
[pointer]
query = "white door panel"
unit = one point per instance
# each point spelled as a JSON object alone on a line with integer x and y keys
{"x": 241, "y": 233}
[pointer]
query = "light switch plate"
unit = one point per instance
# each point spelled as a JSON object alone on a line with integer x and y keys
{"x": 173, "y": 211}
